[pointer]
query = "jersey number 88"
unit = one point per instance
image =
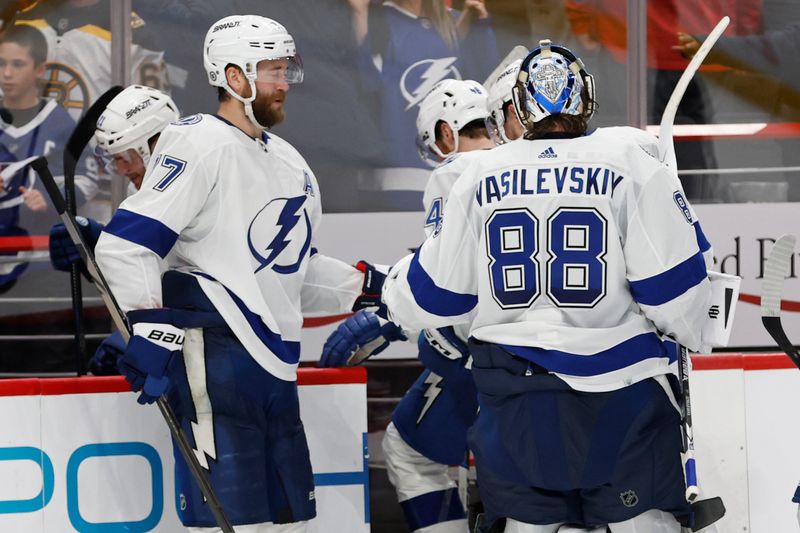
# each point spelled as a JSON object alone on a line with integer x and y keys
{"x": 575, "y": 273}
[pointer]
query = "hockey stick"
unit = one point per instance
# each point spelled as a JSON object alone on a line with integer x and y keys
{"x": 519, "y": 52}
{"x": 775, "y": 272}
{"x": 688, "y": 432}
{"x": 75, "y": 144}
{"x": 666, "y": 148}
{"x": 41, "y": 168}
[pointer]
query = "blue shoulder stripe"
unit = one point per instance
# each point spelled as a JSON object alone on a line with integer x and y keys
{"x": 667, "y": 286}
{"x": 433, "y": 299}
{"x": 142, "y": 230}
{"x": 629, "y": 352}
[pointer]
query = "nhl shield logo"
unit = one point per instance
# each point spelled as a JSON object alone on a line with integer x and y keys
{"x": 629, "y": 498}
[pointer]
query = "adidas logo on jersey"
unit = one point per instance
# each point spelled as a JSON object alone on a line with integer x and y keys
{"x": 548, "y": 153}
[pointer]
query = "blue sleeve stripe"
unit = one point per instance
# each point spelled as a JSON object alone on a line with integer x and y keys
{"x": 629, "y": 352}
{"x": 436, "y": 300}
{"x": 702, "y": 242}
{"x": 286, "y": 351}
{"x": 667, "y": 286}
{"x": 142, "y": 230}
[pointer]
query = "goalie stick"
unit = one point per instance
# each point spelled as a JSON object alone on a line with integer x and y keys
{"x": 77, "y": 141}
{"x": 775, "y": 271}
{"x": 666, "y": 152}
{"x": 41, "y": 168}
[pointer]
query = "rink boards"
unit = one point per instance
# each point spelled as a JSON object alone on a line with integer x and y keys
{"x": 82, "y": 455}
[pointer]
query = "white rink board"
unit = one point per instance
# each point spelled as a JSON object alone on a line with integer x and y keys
{"x": 99, "y": 461}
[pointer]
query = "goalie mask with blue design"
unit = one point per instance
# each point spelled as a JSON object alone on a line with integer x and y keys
{"x": 552, "y": 80}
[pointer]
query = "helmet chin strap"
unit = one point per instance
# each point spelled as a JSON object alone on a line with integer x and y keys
{"x": 248, "y": 104}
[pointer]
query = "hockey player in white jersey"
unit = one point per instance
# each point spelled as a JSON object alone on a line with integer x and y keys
{"x": 571, "y": 256}
{"x": 429, "y": 426}
{"x": 126, "y": 133}
{"x": 503, "y": 123}
{"x": 229, "y": 211}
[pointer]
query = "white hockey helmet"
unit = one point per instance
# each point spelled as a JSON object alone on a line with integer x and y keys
{"x": 132, "y": 118}
{"x": 244, "y": 41}
{"x": 552, "y": 80}
{"x": 499, "y": 98}
{"x": 454, "y": 102}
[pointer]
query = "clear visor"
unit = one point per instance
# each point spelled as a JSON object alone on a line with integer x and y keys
{"x": 287, "y": 70}
{"x": 427, "y": 154}
{"x": 128, "y": 163}
{"x": 495, "y": 130}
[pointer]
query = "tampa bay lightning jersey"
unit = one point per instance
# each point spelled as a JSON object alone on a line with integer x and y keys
{"x": 576, "y": 254}
{"x": 46, "y": 134}
{"x": 240, "y": 214}
{"x": 403, "y": 57}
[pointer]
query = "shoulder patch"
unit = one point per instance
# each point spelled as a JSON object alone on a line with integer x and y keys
{"x": 191, "y": 119}
{"x": 680, "y": 201}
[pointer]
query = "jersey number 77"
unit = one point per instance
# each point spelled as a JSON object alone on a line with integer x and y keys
{"x": 575, "y": 271}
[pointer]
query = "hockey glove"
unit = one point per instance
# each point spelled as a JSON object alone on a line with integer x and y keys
{"x": 63, "y": 252}
{"x": 151, "y": 351}
{"x": 359, "y": 337}
{"x": 105, "y": 359}
{"x": 371, "y": 289}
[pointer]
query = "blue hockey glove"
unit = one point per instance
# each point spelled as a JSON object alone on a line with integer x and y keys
{"x": 151, "y": 351}
{"x": 359, "y": 337}
{"x": 104, "y": 362}
{"x": 63, "y": 252}
{"x": 371, "y": 289}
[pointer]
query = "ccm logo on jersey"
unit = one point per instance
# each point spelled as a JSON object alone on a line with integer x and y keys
{"x": 680, "y": 201}
{"x": 144, "y": 105}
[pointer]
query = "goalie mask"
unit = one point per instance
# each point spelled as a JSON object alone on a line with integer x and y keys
{"x": 129, "y": 121}
{"x": 454, "y": 102}
{"x": 245, "y": 41}
{"x": 499, "y": 98}
{"x": 552, "y": 80}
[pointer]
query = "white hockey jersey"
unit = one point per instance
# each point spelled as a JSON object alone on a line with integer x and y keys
{"x": 572, "y": 253}
{"x": 240, "y": 214}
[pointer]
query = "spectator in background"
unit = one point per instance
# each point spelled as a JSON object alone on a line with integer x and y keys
{"x": 405, "y": 48}
{"x": 79, "y": 51}
{"x": 602, "y": 23}
{"x": 31, "y": 126}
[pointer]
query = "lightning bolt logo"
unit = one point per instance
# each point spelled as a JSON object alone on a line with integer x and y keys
{"x": 262, "y": 227}
{"x": 203, "y": 429}
{"x": 435, "y": 71}
{"x": 431, "y": 393}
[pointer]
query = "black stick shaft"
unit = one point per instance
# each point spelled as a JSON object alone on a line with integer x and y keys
{"x": 40, "y": 166}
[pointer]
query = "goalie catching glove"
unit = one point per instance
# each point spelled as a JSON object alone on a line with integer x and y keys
{"x": 358, "y": 338}
{"x": 152, "y": 350}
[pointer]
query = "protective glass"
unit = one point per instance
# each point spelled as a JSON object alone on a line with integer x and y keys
{"x": 286, "y": 70}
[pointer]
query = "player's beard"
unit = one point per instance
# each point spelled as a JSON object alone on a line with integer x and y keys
{"x": 265, "y": 114}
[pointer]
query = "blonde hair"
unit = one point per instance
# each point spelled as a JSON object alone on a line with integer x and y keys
{"x": 442, "y": 20}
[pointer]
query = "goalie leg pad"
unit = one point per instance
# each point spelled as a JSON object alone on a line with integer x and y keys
{"x": 652, "y": 521}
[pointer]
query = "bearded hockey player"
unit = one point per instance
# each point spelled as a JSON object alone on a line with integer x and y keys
{"x": 229, "y": 211}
